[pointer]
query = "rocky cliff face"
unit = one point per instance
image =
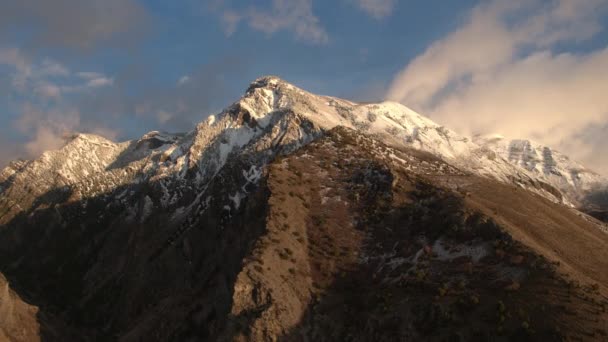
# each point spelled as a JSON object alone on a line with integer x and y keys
{"x": 289, "y": 209}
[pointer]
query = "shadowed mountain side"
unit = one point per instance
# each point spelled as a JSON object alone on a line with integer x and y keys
{"x": 120, "y": 269}
{"x": 382, "y": 243}
{"x": 601, "y": 215}
{"x": 114, "y": 264}
{"x": 359, "y": 248}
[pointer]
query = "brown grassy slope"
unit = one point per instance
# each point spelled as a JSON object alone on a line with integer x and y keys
{"x": 559, "y": 233}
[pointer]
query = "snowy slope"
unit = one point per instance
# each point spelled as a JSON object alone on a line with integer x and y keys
{"x": 544, "y": 163}
{"x": 396, "y": 124}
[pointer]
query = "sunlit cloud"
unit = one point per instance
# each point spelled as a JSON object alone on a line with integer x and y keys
{"x": 499, "y": 73}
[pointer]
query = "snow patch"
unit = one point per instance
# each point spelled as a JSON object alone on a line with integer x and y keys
{"x": 236, "y": 199}
{"x": 252, "y": 175}
{"x": 475, "y": 252}
{"x": 146, "y": 210}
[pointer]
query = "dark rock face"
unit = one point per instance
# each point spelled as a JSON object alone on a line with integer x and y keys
{"x": 595, "y": 204}
{"x": 600, "y": 215}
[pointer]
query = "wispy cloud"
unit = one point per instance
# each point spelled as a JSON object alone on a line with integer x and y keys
{"x": 230, "y": 21}
{"x": 47, "y": 90}
{"x": 46, "y": 79}
{"x": 138, "y": 95}
{"x": 181, "y": 105}
{"x": 8, "y": 151}
{"x": 99, "y": 82}
{"x": 500, "y": 72}
{"x": 378, "y": 9}
{"x": 183, "y": 80}
{"x": 296, "y": 17}
{"x": 47, "y": 129}
{"x": 89, "y": 75}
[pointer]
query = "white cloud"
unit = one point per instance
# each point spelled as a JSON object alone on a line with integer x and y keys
{"x": 48, "y": 90}
{"x": 230, "y": 21}
{"x": 106, "y": 132}
{"x": 100, "y": 82}
{"x": 8, "y": 151}
{"x": 46, "y": 129}
{"x": 500, "y": 73}
{"x": 49, "y": 67}
{"x": 294, "y": 16}
{"x": 89, "y": 75}
{"x": 13, "y": 57}
{"x": 378, "y": 9}
{"x": 183, "y": 80}
{"x": 163, "y": 116}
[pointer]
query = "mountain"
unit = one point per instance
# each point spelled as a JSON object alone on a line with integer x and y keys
{"x": 290, "y": 210}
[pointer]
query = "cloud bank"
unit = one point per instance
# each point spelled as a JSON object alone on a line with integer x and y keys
{"x": 502, "y": 72}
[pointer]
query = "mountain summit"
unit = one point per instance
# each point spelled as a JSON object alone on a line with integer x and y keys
{"x": 289, "y": 210}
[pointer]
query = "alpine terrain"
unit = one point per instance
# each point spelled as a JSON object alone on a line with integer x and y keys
{"x": 291, "y": 216}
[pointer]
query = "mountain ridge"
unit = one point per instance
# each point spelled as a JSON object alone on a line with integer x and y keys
{"x": 268, "y": 99}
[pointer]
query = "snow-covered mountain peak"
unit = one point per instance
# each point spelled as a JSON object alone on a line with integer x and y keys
{"x": 90, "y": 137}
{"x": 271, "y": 103}
{"x": 532, "y": 155}
{"x": 391, "y": 120}
{"x": 266, "y": 81}
{"x": 275, "y": 117}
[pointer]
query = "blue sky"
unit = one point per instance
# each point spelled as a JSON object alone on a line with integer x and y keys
{"x": 120, "y": 68}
